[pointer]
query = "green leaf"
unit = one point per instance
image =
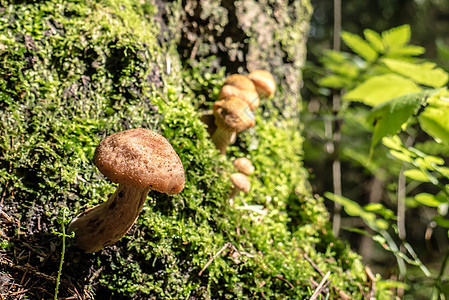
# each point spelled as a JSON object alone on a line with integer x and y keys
{"x": 380, "y": 209}
{"x": 426, "y": 73}
{"x": 393, "y": 143}
{"x": 334, "y": 81}
{"x": 374, "y": 39}
{"x": 388, "y": 117}
{"x": 409, "y": 50}
{"x": 434, "y": 119}
{"x": 386, "y": 284}
{"x": 400, "y": 155}
{"x": 352, "y": 208}
{"x": 428, "y": 199}
{"x": 443, "y": 171}
{"x": 441, "y": 221}
{"x": 416, "y": 174}
{"x": 379, "y": 89}
{"x": 373, "y": 207}
{"x": 381, "y": 224}
{"x": 359, "y": 46}
{"x": 396, "y": 37}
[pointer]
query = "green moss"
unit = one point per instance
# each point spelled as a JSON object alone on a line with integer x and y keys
{"x": 78, "y": 71}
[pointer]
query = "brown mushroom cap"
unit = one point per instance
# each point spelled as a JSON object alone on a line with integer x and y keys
{"x": 264, "y": 82}
{"x": 244, "y": 165}
{"x": 234, "y": 114}
{"x": 241, "y": 182}
{"x": 242, "y": 87}
{"x": 142, "y": 158}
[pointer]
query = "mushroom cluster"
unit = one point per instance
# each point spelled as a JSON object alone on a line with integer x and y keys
{"x": 238, "y": 98}
{"x": 232, "y": 113}
{"x": 139, "y": 160}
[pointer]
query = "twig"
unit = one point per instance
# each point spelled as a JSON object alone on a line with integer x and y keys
{"x": 320, "y": 286}
{"x": 4, "y": 215}
{"x": 313, "y": 264}
{"x": 372, "y": 281}
{"x": 214, "y": 257}
{"x": 278, "y": 276}
{"x": 342, "y": 294}
{"x": 30, "y": 269}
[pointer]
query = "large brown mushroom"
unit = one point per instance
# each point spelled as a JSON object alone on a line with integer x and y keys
{"x": 232, "y": 115}
{"x": 264, "y": 82}
{"x": 241, "y": 87}
{"x": 139, "y": 160}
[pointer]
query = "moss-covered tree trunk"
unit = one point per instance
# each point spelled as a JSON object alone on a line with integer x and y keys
{"x": 73, "y": 72}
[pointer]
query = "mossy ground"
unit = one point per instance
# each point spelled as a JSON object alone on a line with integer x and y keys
{"x": 74, "y": 72}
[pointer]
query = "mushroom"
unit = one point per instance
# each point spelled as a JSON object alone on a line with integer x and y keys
{"x": 241, "y": 183}
{"x": 244, "y": 165}
{"x": 139, "y": 160}
{"x": 264, "y": 82}
{"x": 232, "y": 115}
{"x": 241, "y": 87}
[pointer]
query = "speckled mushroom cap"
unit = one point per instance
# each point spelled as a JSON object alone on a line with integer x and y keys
{"x": 234, "y": 114}
{"x": 242, "y": 87}
{"x": 244, "y": 165}
{"x": 241, "y": 182}
{"x": 142, "y": 158}
{"x": 264, "y": 82}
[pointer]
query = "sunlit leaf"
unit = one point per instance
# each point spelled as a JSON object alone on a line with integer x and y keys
{"x": 359, "y": 46}
{"x": 388, "y": 117}
{"x": 441, "y": 221}
{"x": 379, "y": 89}
{"x": 443, "y": 171}
{"x": 428, "y": 199}
{"x": 416, "y": 174}
{"x": 393, "y": 142}
{"x": 409, "y": 50}
{"x": 435, "y": 121}
{"x": 426, "y": 73}
{"x": 381, "y": 224}
{"x": 374, "y": 39}
{"x": 386, "y": 284}
{"x": 352, "y": 208}
{"x": 373, "y": 207}
{"x": 334, "y": 81}
{"x": 396, "y": 37}
{"x": 401, "y": 156}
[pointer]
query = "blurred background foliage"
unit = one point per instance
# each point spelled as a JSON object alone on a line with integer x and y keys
{"x": 397, "y": 185}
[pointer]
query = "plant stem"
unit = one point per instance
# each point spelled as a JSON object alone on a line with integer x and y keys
{"x": 336, "y": 165}
{"x": 62, "y": 256}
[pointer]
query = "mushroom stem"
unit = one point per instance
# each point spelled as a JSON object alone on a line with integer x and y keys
{"x": 234, "y": 193}
{"x": 107, "y": 222}
{"x": 222, "y": 137}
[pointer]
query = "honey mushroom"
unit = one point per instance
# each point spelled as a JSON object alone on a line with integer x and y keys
{"x": 241, "y": 183}
{"x": 139, "y": 160}
{"x": 264, "y": 83}
{"x": 244, "y": 165}
{"x": 232, "y": 115}
{"x": 241, "y": 87}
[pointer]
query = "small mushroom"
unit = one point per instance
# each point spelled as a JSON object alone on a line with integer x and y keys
{"x": 232, "y": 115}
{"x": 241, "y": 183}
{"x": 264, "y": 82}
{"x": 244, "y": 165}
{"x": 241, "y": 87}
{"x": 139, "y": 160}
